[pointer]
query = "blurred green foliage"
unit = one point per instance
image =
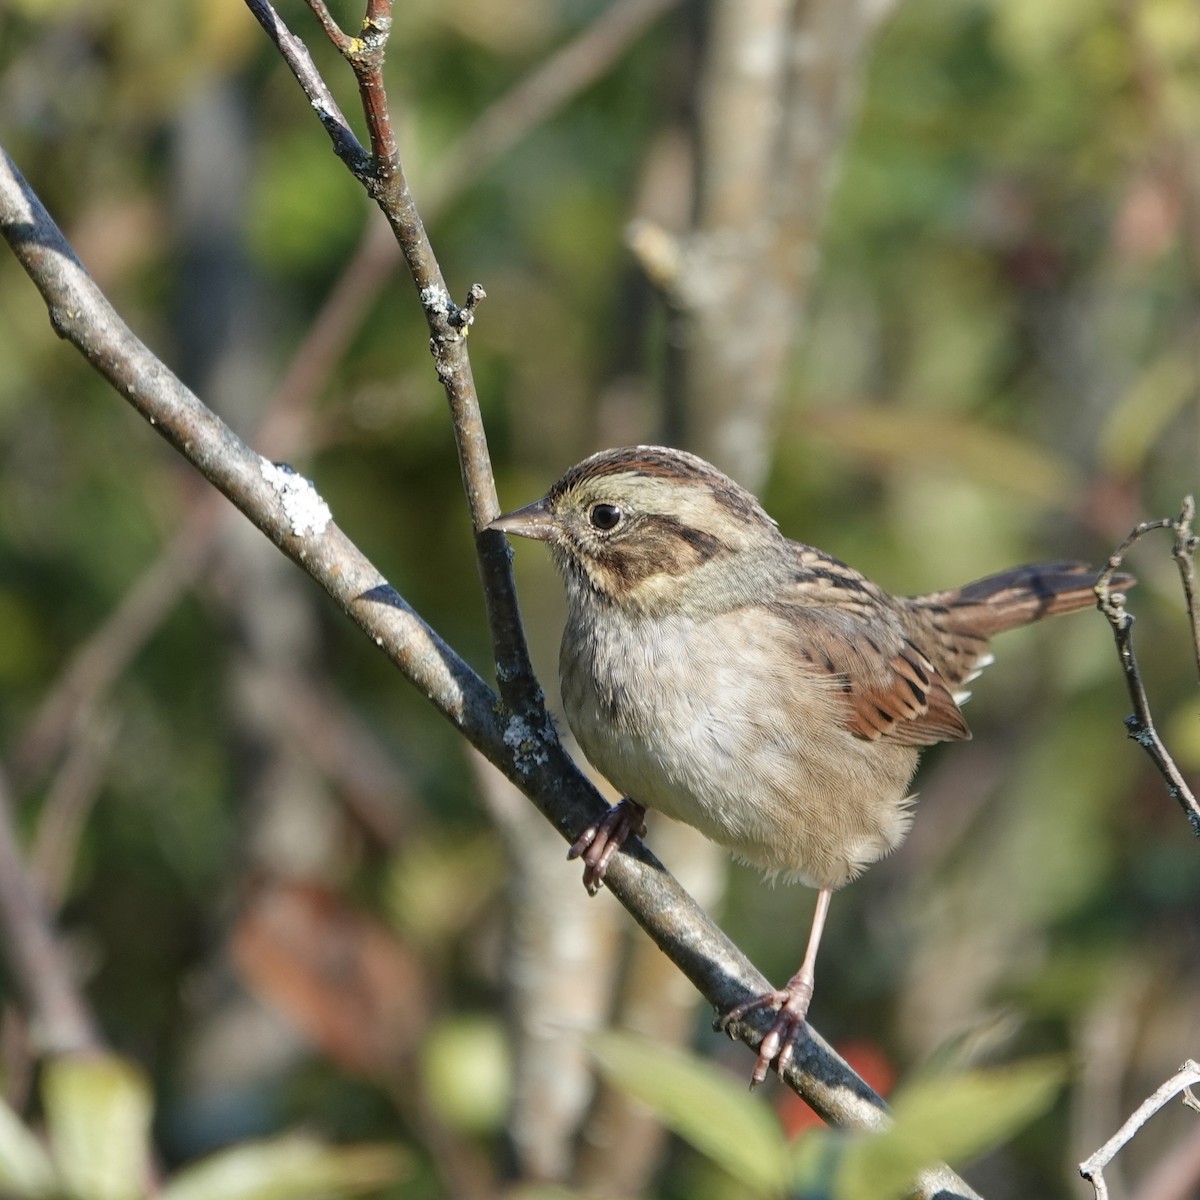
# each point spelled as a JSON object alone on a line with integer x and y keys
{"x": 938, "y": 1118}
{"x": 998, "y": 364}
{"x": 97, "y": 1115}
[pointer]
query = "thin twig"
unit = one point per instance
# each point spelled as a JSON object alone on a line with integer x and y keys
{"x": 347, "y": 146}
{"x": 333, "y": 31}
{"x": 68, "y": 802}
{"x": 59, "y": 1018}
{"x": 82, "y": 315}
{"x": 1092, "y": 1169}
{"x": 1184, "y": 553}
{"x": 95, "y": 666}
{"x": 449, "y": 326}
{"x": 1140, "y": 724}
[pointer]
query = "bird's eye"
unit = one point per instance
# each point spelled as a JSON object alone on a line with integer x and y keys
{"x": 605, "y": 516}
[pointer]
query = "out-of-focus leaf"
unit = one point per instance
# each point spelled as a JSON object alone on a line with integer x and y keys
{"x": 543, "y": 1191}
{"x": 365, "y": 1014}
{"x": 25, "y": 1168}
{"x": 1032, "y": 33}
{"x": 1137, "y": 422}
{"x": 1172, "y": 27}
{"x": 288, "y": 1168}
{"x": 714, "y": 1113}
{"x": 98, "y": 1116}
{"x": 914, "y": 439}
{"x": 436, "y": 886}
{"x": 21, "y": 641}
{"x": 467, "y": 1071}
{"x": 1053, "y": 859}
{"x": 943, "y": 1120}
{"x": 1182, "y": 731}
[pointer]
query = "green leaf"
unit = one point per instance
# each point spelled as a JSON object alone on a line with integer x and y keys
{"x": 98, "y": 1116}
{"x": 543, "y": 1191}
{"x": 944, "y": 1120}
{"x": 25, "y": 1168}
{"x": 1139, "y": 420}
{"x": 466, "y": 1072}
{"x": 288, "y": 1168}
{"x": 705, "y": 1107}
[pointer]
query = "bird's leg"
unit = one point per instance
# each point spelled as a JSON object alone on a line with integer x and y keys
{"x": 792, "y": 1001}
{"x": 599, "y": 842}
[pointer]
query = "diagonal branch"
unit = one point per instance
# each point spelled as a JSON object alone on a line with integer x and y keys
{"x": 348, "y": 148}
{"x": 82, "y": 315}
{"x": 527, "y": 753}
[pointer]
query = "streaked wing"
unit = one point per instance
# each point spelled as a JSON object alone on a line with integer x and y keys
{"x": 847, "y": 629}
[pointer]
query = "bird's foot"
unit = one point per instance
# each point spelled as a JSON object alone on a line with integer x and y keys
{"x": 779, "y": 1043}
{"x": 598, "y": 843}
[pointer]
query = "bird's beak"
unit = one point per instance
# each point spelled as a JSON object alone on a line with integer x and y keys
{"x": 533, "y": 521}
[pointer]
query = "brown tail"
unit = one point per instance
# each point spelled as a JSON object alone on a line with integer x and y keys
{"x": 1017, "y": 597}
{"x": 965, "y": 618}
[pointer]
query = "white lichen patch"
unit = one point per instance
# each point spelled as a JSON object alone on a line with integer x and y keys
{"x": 436, "y": 300}
{"x": 306, "y": 512}
{"x": 525, "y": 744}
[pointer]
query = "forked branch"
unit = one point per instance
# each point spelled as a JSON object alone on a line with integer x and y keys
{"x": 1140, "y": 723}
{"x": 1187, "y": 1077}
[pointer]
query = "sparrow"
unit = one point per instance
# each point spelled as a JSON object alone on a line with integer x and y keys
{"x": 754, "y": 687}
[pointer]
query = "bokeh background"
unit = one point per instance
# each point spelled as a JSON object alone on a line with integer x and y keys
{"x": 948, "y": 323}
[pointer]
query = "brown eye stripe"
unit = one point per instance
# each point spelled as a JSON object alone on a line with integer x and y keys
{"x": 665, "y": 546}
{"x": 706, "y": 545}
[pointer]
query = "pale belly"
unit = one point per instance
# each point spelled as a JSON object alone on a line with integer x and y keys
{"x": 721, "y": 731}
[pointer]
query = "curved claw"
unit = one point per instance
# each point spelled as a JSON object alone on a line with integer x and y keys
{"x": 792, "y": 1005}
{"x": 597, "y": 844}
{"x": 779, "y": 1044}
{"x": 780, "y": 1041}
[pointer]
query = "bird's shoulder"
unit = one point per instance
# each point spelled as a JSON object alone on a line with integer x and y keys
{"x": 846, "y": 628}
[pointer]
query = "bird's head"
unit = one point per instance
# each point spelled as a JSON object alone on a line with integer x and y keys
{"x": 651, "y": 529}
